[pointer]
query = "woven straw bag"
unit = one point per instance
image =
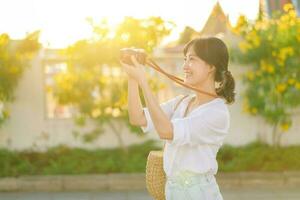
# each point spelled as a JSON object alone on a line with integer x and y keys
{"x": 155, "y": 175}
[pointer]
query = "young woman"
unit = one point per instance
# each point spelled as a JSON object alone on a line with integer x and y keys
{"x": 195, "y": 131}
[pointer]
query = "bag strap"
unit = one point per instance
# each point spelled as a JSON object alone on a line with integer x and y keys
{"x": 180, "y": 102}
{"x": 176, "y": 106}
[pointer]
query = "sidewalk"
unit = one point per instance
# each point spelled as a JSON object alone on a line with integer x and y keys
{"x": 136, "y": 181}
{"x": 228, "y": 194}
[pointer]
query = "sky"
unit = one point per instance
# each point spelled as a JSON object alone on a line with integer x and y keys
{"x": 62, "y": 22}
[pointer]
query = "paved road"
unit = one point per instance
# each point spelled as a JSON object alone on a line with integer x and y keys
{"x": 228, "y": 194}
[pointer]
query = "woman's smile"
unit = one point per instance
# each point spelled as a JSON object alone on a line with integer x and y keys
{"x": 187, "y": 74}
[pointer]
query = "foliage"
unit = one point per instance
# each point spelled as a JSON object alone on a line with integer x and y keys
{"x": 271, "y": 46}
{"x": 94, "y": 82}
{"x": 65, "y": 160}
{"x": 14, "y": 59}
{"x": 258, "y": 157}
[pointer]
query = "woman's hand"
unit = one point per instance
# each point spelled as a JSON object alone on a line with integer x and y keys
{"x": 135, "y": 71}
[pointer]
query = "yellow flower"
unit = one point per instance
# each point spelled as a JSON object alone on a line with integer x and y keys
{"x": 246, "y": 106}
{"x": 297, "y": 85}
{"x": 96, "y": 112}
{"x": 270, "y": 69}
{"x": 266, "y": 67}
{"x": 292, "y": 23}
{"x": 280, "y": 62}
{"x": 283, "y": 26}
{"x": 250, "y": 75}
{"x": 108, "y": 110}
{"x": 291, "y": 81}
{"x": 289, "y": 50}
{"x": 14, "y": 70}
{"x": 288, "y": 7}
{"x": 293, "y": 14}
{"x": 244, "y": 46}
{"x": 284, "y": 18}
{"x": 281, "y": 87}
{"x": 256, "y": 41}
{"x": 253, "y": 38}
{"x": 4, "y": 39}
{"x": 270, "y": 37}
{"x": 261, "y": 25}
{"x": 283, "y": 54}
{"x": 298, "y": 35}
{"x": 65, "y": 85}
{"x": 285, "y": 126}
{"x": 116, "y": 112}
{"x": 87, "y": 76}
{"x": 254, "y": 110}
{"x": 48, "y": 88}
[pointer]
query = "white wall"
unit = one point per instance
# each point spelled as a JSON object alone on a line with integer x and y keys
{"x": 28, "y": 128}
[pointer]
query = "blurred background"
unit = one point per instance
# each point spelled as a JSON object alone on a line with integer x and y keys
{"x": 63, "y": 94}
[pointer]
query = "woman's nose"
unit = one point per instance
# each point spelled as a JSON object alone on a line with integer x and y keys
{"x": 186, "y": 65}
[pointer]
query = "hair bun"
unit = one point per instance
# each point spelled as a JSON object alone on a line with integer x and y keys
{"x": 227, "y": 72}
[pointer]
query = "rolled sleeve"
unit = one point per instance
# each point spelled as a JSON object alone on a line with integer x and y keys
{"x": 178, "y": 131}
{"x": 168, "y": 109}
{"x": 209, "y": 127}
{"x": 149, "y": 127}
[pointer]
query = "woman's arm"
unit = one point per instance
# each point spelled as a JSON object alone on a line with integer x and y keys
{"x": 135, "y": 109}
{"x": 160, "y": 120}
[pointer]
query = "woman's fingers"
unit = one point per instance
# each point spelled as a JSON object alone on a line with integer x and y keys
{"x": 133, "y": 70}
{"x": 134, "y": 61}
{"x": 127, "y": 68}
{"x": 124, "y": 64}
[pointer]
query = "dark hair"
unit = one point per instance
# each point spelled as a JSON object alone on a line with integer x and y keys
{"x": 214, "y": 52}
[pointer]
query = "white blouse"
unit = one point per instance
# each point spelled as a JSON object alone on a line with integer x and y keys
{"x": 196, "y": 137}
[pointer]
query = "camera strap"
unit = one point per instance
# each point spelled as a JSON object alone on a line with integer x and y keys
{"x": 180, "y": 81}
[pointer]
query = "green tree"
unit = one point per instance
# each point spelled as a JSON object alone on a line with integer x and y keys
{"x": 94, "y": 82}
{"x": 14, "y": 59}
{"x": 271, "y": 46}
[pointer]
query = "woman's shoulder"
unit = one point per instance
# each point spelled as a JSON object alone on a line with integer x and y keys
{"x": 174, "y": 101}
{"x": 178, "y": 97}
{"x": 217, "y": 105}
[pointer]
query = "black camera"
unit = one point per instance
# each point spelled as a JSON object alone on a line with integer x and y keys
{"x": 126, "y": 53}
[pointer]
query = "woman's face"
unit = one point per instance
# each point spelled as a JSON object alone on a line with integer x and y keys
{"x": 196, "y": 71}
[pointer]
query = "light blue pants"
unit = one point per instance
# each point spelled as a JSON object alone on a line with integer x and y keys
{"x": 191, "y": 186}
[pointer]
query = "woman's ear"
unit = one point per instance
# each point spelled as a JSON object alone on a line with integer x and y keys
{"x": 212, "y": 69}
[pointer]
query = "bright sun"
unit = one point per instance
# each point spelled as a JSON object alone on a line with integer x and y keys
{"x": 62, "y": 22}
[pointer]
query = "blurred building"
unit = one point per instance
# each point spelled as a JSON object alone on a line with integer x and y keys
{"x": 277, "y": 5}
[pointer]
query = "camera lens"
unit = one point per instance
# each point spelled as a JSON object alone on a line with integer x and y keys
{"x": 126, "y": 53}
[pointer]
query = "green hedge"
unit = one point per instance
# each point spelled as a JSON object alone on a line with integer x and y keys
{"x": 64, "y": 160}
{"x": 258, "y": 157}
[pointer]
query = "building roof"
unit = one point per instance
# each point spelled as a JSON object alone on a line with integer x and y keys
{"x": 216, "y": 23}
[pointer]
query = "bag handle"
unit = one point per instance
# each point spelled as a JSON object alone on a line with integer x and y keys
{"x": 180, "y": 102}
